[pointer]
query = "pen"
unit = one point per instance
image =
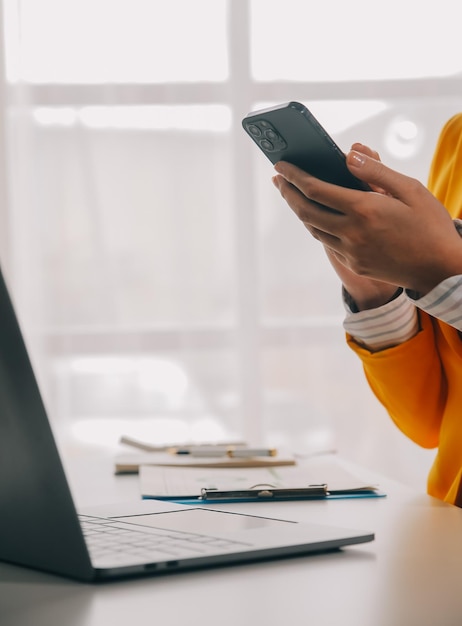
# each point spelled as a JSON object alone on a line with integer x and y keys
{"x": 201, "y": 450}
{"x": 178, "y": 448}
{"x": 246, "y": 452}
{"x": 224, "y": 451}
{"x": 140, "y": 445}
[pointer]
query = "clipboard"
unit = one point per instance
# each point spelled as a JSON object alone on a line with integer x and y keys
{"x": 313, "y": 492}
{"x": 206, "y": 486}
{"x": 262, "y": 492}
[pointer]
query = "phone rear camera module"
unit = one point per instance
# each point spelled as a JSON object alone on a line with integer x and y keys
{"x": 266, "y": 136}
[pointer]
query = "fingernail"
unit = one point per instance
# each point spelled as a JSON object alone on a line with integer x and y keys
{"x": 275, "y": 181}
{"x": 356, "y": 158}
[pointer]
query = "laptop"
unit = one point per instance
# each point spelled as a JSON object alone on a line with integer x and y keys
{"x": 40, "y": 527}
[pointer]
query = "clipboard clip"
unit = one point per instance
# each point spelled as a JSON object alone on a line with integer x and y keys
{"x": 267, "y": 493}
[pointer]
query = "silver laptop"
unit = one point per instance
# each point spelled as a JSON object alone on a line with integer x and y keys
{"x": 40, "y": 528}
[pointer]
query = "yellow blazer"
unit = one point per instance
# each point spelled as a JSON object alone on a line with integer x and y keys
{"x": 420, "y": 381}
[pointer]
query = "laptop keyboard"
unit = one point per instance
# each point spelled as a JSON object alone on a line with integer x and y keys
{"x": 113, "y": 543}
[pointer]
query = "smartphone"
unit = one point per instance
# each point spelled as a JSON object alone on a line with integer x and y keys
{"x": 290, "y": 132}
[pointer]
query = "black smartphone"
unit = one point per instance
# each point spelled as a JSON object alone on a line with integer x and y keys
{"x": 290, "y": 132}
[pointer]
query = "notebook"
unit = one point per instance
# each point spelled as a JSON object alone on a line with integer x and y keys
{"x": 41, "y": 529}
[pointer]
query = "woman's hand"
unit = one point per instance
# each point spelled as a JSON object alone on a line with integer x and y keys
{"x": 366, "y": 292}
{"x": 397, "y": 235}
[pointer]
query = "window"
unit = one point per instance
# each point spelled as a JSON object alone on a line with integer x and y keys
{"x": 164, "y": 287}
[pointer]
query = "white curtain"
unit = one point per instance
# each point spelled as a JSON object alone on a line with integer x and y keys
{"x": 165, "y": 289}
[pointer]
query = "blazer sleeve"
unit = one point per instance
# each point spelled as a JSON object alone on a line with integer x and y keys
{"x": 409, "y": 381}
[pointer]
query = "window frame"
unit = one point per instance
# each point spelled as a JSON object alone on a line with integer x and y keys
{"x": 239, "y": 92}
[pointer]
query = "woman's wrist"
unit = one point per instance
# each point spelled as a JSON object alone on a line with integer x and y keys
{"x": 373, "y": 299}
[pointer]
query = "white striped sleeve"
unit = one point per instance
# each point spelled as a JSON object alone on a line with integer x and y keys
{"x": 384, "y": 327}
{"x": 397, "y": 321}
{"x": 444, "y": 301}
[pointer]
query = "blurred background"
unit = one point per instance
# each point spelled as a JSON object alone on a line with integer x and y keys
{"x": 164, "y": 288}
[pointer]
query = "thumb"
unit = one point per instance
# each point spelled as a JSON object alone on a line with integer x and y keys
{"x": 376, "y": 174}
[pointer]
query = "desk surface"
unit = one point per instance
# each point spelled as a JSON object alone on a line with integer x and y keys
{"x": 410, "y": 575}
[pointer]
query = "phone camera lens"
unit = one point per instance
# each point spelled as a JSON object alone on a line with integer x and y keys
{"x": 271, "y": 135}
{"x": 254, "y": 130}
{"x": 266, "y": 145}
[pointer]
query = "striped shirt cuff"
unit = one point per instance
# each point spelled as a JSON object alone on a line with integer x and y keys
{"x": 397, "y": 321}
{"x": 386, "y": 326}
{"x": 444, "y": 301}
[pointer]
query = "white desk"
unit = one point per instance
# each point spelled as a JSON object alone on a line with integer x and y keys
{"x": 411, "y": 575}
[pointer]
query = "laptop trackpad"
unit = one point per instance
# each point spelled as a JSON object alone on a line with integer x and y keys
{"x": 203, "y": 520}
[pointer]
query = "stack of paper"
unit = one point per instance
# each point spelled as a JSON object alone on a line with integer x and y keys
{"x": 130, "y": 463}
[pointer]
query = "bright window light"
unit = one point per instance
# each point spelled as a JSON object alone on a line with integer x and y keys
{"x": 55, "y": 116}
{"x": 354, "y": 40}
{"x": 119, "y": 41}
{"x": 155, "y": 374}
{"x": 212, "y": 118}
